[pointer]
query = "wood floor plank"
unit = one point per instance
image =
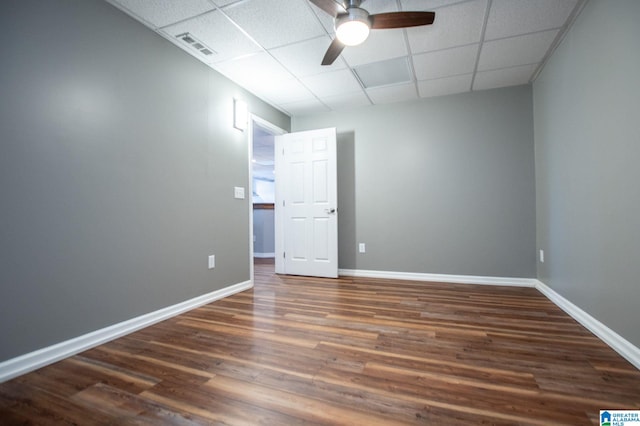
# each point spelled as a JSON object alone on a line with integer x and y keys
{"x": 313, "y": 351}
{"x": 296, "y": 405}
{"x": 217, "y": 407}
{"x": 44, "y": 407}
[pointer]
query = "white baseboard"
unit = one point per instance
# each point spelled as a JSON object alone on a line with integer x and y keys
{"x": 618, "y": 343}
{"x": 264, "y": 255}
{"x": 441, "y": 278}
{"x": 31, "y": 361}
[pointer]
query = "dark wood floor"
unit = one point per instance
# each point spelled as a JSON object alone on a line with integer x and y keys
{"x": 350, "y": 351}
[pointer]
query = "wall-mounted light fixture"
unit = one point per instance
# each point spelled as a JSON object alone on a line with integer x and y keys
{"x": 240, "y": 114}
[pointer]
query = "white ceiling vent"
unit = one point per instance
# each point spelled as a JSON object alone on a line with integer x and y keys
{"x": 196, "y": 44}
{"x": 384, "y": 73}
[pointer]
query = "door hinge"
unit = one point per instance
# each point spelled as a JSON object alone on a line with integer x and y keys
{"x": 284, "y": 255}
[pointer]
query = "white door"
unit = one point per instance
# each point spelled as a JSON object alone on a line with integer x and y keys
{"x": 306, "y": 203}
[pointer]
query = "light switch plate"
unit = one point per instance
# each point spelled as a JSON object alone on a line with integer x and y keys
{"x": 238, "y": 192}
{"x": 212, "y": 261}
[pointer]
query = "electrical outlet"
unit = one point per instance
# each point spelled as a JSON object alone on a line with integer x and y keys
{"x": 212, "y": 261}
{"x": 541, "y": 256}
{"x": 361, "y": 248}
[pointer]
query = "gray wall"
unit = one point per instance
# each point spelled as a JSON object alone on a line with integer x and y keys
{"x": 587, "y": 141}
{"x": 117, "y": 166}
{"x": 442, "y": 185}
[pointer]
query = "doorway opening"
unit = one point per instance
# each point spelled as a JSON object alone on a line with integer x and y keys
{"x": 293, "y": 220}
{"x": 262, "y": 180}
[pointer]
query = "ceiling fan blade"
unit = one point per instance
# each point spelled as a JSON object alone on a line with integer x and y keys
{"x": 332, "y": 7}
{"x": 389, "y": 20}
{"x": 334, "y": 50}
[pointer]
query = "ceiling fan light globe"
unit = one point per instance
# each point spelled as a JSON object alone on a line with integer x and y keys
{"x": 353, "y": 27}
{"x": 352, "y": 33}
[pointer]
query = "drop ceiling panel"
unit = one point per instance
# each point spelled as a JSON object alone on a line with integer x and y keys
{"x": 309, "y": 106}
{"x": 325, "y": 20}
{"x": 445, "y": 86}
{"x": 259, "y": 70}
{"x": 284, "y": 91}
{"x": 346, "y": 101}
{"x": 273, "y": 48}
{"x": 381, "y": 45}
{"x": 303, "y": 59}
{"x": 503, "y": 77}
{"x": 332, "y": 83}
{"x": 514, "y": 17}
{"x": 275, "y": 23}
{"x": 390, "y": 94}
{"x": 514, "y": 51}
{"x": 445, "y": 63}
{"x": 218, "y": 33}
{"x": 455, "y": 25}
{"x": 164, "y": 12}
{"x": 421, "y": 5}
{"x": 379, "y": 6}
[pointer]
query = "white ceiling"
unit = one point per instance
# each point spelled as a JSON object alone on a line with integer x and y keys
{"x": 273, "y": 48}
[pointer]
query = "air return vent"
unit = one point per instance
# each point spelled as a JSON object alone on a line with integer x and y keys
{"x": 384, "y": 73}
{"x": 196, "y": 44}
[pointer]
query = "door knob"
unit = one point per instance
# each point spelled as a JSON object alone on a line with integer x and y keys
{"x": 330, "y": 211}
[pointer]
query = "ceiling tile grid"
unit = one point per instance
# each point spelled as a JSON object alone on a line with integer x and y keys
{"x": 301, "y": 59}
{"x": 380, "y": 45}
{"x": 513, "y": 51}
{"x": 455, "y": 25}
{"x": 503, "y": 77}
{"x": 445, "y": 86}
{"x": 508, "y": 18}
{"x": 346, "y": 101}
{"x": 273, "y": 23}
{"x": 273, "y": 48}
{"x": 158, "y": 13}
{"x": 391, "y": 94}
{"x": 446, "y": 63}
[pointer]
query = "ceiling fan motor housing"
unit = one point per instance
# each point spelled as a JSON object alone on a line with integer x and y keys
{"x": 353, "y": 14}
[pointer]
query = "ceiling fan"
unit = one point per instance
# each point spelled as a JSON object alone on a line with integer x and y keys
{"x": 353, "y": 23}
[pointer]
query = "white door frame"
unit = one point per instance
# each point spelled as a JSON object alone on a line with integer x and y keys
{"x": 255, "y": 120}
